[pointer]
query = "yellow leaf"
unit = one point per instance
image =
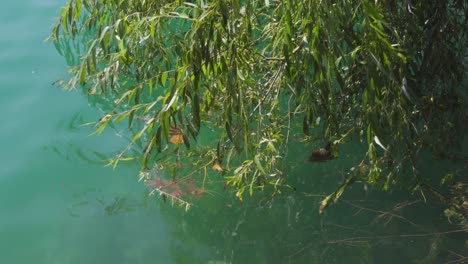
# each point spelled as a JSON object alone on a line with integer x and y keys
{"x": 177, "y": 139}
{"x": 217, "y": 167}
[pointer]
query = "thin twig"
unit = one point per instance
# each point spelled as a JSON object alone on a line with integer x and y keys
{"x": 460, "y": 260}
{"x": 383, "y": 213}
{"x": 397, "y": 236}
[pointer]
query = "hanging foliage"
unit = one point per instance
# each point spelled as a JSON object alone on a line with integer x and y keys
{"x": 390, "y": 73}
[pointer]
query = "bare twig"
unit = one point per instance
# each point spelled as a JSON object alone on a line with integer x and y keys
{"x": 389, "y": 214}
{"x": 360, "y": 238}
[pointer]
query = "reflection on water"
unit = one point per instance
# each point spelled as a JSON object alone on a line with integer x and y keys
{"x": 287, "y": 231}
{"x": 91, "y": 202}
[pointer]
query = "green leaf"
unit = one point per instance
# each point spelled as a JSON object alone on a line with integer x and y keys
{"x": 333, "y": 198}
{"x": 130, "y": 117}
{"x": 120, "y": 118}
{"x": 83, "y": 73}
{"x": 102, "y": 124}
{"x": 186, "y": 141}
{"x": 164, "y": 78}
{"x": 138, "y": 135}
{"x": 259, "y": 165}
{"x": 369, "y": 134}
{"x": 229, "y": 131}
{"x": 196, "y": 112}
{"x": 147, "y": 150}
{"x": 78, "y": 9}
{"x": 158, "y": 139}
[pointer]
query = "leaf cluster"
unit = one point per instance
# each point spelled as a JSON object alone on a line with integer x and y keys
{"x": 251, "y": 72}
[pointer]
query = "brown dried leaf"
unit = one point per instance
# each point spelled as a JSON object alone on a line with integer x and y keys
{"x": 217, "y": 167}
{"x": 177, "y": 139}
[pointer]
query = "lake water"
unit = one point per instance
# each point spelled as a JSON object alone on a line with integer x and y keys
{"x": 59, "y": 204}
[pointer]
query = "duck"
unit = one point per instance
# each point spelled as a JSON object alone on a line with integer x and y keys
{"x": 322, "y": 154}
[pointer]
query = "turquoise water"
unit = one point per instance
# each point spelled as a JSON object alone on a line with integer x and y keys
{"x": 59, "y": 204}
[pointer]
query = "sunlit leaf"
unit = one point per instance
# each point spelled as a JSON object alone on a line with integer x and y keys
{"x": 377, "y": 140}
{"x": 217, "y": 167}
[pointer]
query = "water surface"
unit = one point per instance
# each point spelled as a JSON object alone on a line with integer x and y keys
{"x": 59, "y": 204}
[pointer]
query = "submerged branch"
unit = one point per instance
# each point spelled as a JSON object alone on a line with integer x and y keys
{"x": 360, "y": 238}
